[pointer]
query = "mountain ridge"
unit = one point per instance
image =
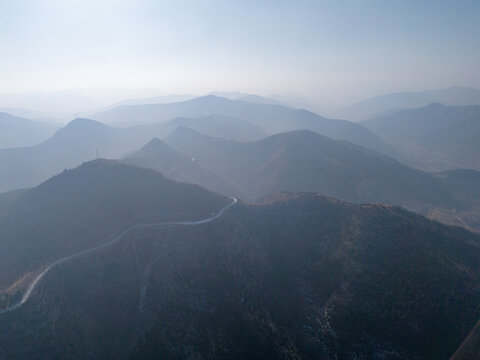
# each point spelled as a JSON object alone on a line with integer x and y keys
{"x": 456, "y": 95}
{"x": 306, "y": 161}
{"x": 300, "y": 275}
{"x": 435, "y": 136}
{"x": 17, "y": 131}
{"x": 271, "y": 118}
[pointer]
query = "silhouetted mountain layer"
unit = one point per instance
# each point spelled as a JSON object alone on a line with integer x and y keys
{"x": 435, "y": 137}
{"x": 151, "y": 100}
{"x": 297, "y": 276}
{"x": 159, "y": 156}
{"x": 83, "y": 140}
{"x": 16, "y": 131}
{"x": 212, "y": 125}
{"x": 84, "y": 207}
{"x": 306, "y": 161}
{"x": 77, "y": 142}
{"x": 256, "y": 99}
{"x": 454, "y": 96}
{"x": 271, "y": 118}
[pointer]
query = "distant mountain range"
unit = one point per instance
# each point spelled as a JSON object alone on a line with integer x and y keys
{"x": 77, "y": 142}
{"x": 256, "y": 99}
{"x": 270, "y": 118}
{"x": 16, "y": 131}
{"x": 453, "y": 96}
{"x": 176, "y": 165}
{"x": 83, "y": 139}
{"x": 238, "y": 227}
{"x": 212, "y": 125}
{"x": 435, "y": 137}
{"x": 306, "y": 161}
{"x": 297, "y": 161}
{"x": 294, "y": 275}
{"x": 151, "y": 100}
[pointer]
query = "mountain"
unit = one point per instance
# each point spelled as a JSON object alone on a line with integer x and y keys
{"x": 163, "y": 156}
{"x": 256, "y": 99}
{"x": 84, "y": 139}
{"x": 68, "y": 147}
{"x": 221, "y": 126}
{"x": 165, "y": 99}
{"x": 305, "y": 161}
{"x": 16, "y": 131}
{"x": 188, "y": 141}
{"x": 435, "y": 137}
{"x": 271, "y": 118}
{"x": 212, "y": 125}
{"x": 293, "y": 276}
{"x": 453, "y": 96}
{"x": 159, "y": 156}
{"x": 83, "y": 207}
{"x": 227, "y": 94}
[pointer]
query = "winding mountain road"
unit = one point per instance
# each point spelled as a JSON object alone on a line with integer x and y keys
{"x": 115, "y": 239}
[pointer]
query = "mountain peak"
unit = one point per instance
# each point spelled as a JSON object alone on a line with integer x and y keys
{"x": 83, "y": 122}
{"x": 211, "y": 99}
{"x": 155, "y": 143}
{"x": 83, "y": 127}
{"x": 156, "y": 147}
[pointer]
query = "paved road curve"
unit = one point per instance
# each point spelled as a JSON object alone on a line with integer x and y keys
{"x": 118, "y": 237}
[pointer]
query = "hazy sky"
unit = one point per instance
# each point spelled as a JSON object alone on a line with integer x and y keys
{"x": 329, "y": 49}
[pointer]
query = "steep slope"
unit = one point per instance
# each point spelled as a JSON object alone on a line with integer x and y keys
{"x": 454, "y": 96}
{"x": 436, "y": 137}
{"x": 306, "y": 161}
{"x": 77, "y": 142}
{"x": 271, "y": 118}
{"x": 188, "y": 140}
{"x": 212, "y": 125}
{"x": 84, "y": 207}
{"x": 297, "y": 276}
{"x": 159, "y": 156}
{"x": 16, "y": 131}
{"x": 221, "y": 126}
{"x": 83, "y": 139}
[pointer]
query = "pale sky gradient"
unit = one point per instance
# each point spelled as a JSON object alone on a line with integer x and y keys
{"x": 335, "y": 50}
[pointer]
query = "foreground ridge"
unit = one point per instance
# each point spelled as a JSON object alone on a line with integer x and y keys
{"x": 115, "y": 239}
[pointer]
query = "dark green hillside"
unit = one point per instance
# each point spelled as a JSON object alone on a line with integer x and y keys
{"x": 297, "y": 276}
{"x": 305, "y": 161}
{"x": 84, "y": 207}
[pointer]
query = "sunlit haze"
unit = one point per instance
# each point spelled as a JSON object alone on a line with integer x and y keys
{"x": 240, "y": 179}
{"x": 329, "y": 51}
